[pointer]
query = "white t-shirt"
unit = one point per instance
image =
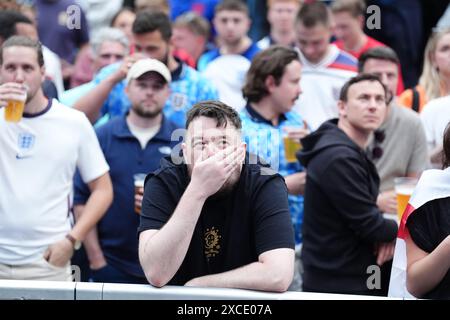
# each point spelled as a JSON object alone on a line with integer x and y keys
{"x": 321, "y": 84}
{"x": 144, "y": 135}
{"x": 227, "y": 74}
{"x": 435, "y": 116}
{"x": 38, "y": 159}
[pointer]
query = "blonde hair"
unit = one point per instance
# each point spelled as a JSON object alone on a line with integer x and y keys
{"x": 270, "y": 2}
{"x": 430, "y": 79}
{"x": 355, "y": 8}
{"x": 155, "y": 5}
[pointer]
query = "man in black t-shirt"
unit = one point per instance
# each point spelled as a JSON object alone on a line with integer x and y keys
{"x": 211, "y": 220}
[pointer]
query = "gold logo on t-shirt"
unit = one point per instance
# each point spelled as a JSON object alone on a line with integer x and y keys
{"x": 212, "y": 245}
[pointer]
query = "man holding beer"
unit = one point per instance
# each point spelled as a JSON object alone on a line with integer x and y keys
{"x": 271, "y": 131}
{"x": 41, "y": 146}
{"x": 133, "y": 144}
{"x": 399, "y": 147}
{"x": 344, "y": 232}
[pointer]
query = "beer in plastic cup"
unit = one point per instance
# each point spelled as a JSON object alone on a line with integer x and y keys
{"x": 139, "y": 179}
{"x": 14, "y": 107}
{"x": 404, "y": 187}
{"x": 291, "y": 147}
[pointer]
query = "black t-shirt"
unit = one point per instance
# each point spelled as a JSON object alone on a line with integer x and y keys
{"x": 428, "y": 226}
{"x": 233, "y": 229}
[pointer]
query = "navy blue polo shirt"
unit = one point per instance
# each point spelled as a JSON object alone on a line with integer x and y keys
{"x": 123, "y": 152}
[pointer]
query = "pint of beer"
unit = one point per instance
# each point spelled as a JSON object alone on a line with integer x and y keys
{"x": 15, "y": 106}
{"x": 291, "y": 147}
{"x": 14, "y": 110}
{"x": 404, "y": 187}
{"x": 139, "y": 179}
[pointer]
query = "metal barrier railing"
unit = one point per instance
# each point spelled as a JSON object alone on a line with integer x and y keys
{"x": 53, "y": 290}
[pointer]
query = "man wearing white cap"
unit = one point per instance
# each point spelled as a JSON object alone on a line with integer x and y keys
{"x": 132, "y": 143}
{"x": 152, "y": 32}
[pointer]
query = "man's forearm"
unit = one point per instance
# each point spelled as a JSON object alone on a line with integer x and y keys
{"x": 91, "y": 243}
{"x": 162, "y": 254}
{"x": 275, "y": 276}
{"x": 296, "y": 183}
{"x": 92, "y": 102}
{"x": 96, "y": 206}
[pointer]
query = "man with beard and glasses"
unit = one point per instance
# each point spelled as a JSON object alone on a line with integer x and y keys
{"x": 213, "y": 220}
{"x": 152, "y": 32}
{"x": 133, "y": 143}
{"x": 399, "y": 147}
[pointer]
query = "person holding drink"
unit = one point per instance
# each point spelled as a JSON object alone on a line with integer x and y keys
{"x": 133, "y": 145}
{"x": 398, "y": 148}
{"x": 40, "y": 150}
{"x": 272, "y": 131}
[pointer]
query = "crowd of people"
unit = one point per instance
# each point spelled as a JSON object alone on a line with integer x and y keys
{"x": 270, "y": 156}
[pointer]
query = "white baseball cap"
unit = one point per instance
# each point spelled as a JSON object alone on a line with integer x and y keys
{"x": 146, "y": 65}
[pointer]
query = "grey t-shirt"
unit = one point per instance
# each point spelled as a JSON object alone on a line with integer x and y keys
{"x": 404, "y": 146}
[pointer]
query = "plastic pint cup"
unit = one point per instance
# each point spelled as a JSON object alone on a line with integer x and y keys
{"x": 291, "y": 147}
{"x": 15, "y": 106}
{"x": 139, "y": 179}
{"x": 404, "y": 188}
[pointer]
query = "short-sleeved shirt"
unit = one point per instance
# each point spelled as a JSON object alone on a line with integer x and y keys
{"x": 187, "y": 88}
{"x": 232, "y": 230}
{"x": 123, "y": 152}
{"x": 435, "y": 117}
{"x": 38, "y": 158}
{"x": 428, "y": 226}
{"x": 404, "y": 147}
{"x": 266, "y": 140}
{"x": 227, "y": 72}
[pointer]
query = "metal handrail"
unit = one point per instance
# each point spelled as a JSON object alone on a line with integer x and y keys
{"x": 54, "y": 290}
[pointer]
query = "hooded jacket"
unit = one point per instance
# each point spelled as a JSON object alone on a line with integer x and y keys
{"x": 342, "y": 223}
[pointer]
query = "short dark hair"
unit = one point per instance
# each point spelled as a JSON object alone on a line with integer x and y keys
{"x": 313, "y": 13}
{"x": 8, "y": 21}
{"x": 269, "y": 62}
{"x": 21, "y": 41}
{"x": 216, "y": 110}
{"x": 446, "y": 147}
{"x": 231, "y": 5}
{"x": 150, "y": 21}
{"x": 355, "y": 8}
{"x": 378, "y": 53}
{"x": 359, "y": 78}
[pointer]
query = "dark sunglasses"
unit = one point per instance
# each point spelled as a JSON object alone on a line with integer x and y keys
{"x": 377, "y": 151}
